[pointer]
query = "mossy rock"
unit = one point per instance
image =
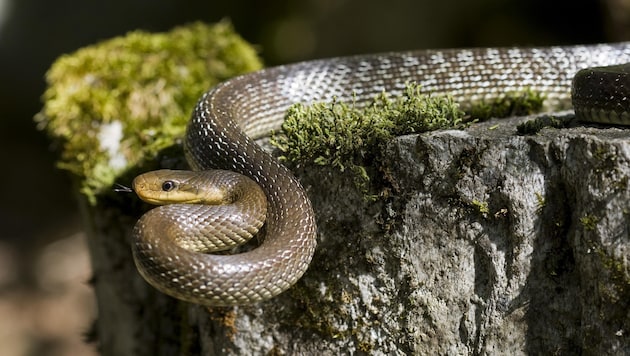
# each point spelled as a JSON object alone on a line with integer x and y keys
{"x": 110, "y": 105}
{"x": 347, "y": 136}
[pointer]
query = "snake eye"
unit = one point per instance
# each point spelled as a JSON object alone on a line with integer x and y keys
{"x": 168, "y": 185}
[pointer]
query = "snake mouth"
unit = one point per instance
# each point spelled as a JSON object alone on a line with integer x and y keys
{"x": 141, "y": 188}
{"x": 152, "y": 201}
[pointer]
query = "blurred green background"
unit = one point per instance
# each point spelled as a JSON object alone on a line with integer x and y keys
{"x": 37, "y": 203}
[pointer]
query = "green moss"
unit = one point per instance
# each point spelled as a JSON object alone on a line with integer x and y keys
{"x": 617, "y": 286}
{"x": 345, "y": 136}
{"x": 481, "y": 206}
{"x": 348, "y": 137}
{"x": 540, "y": 200}
{"x": 516, "y": 103}
{"x": 589, "y": 222}
{"x": 110, "y": 105}
{"x": 365, "y": 346}
{"x": 532, "y": 127}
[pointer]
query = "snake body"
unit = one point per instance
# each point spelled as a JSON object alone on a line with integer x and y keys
{"x": 231, "y": 116}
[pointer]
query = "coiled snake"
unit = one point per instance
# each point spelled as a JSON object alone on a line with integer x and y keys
{"x": 228, "y": 118}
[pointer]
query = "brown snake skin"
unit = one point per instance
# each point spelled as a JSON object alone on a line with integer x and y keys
{"x": 228, "y": 118}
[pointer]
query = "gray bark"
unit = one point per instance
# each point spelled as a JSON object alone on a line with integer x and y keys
{"x": 483, "y": 242}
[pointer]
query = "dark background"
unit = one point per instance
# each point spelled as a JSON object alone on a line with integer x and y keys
{"x": 37, "y": 202}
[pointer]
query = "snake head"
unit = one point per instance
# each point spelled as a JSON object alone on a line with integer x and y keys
{"x": 167, "y": 186}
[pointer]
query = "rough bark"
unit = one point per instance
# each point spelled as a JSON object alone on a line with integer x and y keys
{"x": 483, "y": 242}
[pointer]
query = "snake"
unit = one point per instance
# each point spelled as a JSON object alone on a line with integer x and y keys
{"x": 170, "y": 246}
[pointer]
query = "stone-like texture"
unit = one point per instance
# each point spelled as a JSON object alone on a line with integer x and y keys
{"x": 483, "y": 242}
{"x": 486, "y": 242}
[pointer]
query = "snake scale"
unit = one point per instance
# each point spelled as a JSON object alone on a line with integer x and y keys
{"x": 228, "y": 119}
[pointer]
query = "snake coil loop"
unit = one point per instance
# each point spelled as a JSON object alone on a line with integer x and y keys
{"x": 228, "y": 118}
